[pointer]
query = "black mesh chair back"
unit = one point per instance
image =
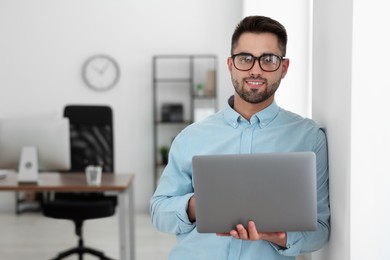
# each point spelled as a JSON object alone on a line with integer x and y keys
{"x": 92, "y": 143}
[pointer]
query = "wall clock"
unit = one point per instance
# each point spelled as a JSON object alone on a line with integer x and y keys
{"x": 100, "y": 72}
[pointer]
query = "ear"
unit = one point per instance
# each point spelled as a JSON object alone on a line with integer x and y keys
{"x": 285, "y": 65}
{"x": 230, "y": 63}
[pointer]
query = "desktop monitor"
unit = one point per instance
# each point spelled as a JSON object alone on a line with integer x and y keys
{"x": 30, "y": 145}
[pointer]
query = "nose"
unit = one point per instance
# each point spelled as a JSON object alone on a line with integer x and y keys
{"x": 256, "y": 69}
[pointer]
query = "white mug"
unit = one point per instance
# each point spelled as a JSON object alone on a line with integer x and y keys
{"x": 93, "y": 174}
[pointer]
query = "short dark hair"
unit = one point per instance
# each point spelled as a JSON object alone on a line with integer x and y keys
{"x": 260, "y": 24}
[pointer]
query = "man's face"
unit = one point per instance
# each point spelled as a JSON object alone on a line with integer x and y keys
{"x": 255, "y": 85}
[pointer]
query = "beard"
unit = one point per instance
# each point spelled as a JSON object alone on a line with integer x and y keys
{"x": 255, "y": 96}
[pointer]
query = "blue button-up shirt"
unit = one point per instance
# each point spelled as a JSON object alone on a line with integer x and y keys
{"x": 227, "y": 132}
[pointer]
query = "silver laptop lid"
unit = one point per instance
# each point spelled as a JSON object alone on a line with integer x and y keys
{"x": 276, "y": 190}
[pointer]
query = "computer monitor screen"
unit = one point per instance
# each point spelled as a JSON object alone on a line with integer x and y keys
{"x": 48, "y": 136}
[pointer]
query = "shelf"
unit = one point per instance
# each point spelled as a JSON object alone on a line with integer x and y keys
{"x": 176, "y": 79}
{"x": 172, "y": 80}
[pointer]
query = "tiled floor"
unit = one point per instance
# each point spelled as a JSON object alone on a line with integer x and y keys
{"x": 34, "y": 237}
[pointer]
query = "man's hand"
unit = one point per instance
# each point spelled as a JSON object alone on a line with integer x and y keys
{"x": 191, "y": 209}
{"x": 278, "y": 238}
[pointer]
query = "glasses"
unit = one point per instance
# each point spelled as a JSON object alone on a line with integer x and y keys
{"x": 268, "y": 62}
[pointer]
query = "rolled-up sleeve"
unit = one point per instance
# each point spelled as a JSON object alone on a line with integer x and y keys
{"x": 168, "y": 205}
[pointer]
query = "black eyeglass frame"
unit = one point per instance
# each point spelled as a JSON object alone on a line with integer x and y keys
{"x": 281, "y": 58}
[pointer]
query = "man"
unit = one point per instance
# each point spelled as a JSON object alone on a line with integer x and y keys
{"x": 251, "y": 122}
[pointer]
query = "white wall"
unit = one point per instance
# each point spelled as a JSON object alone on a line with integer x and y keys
{"x": 370, "y": 142}
{"x": 44, "y": 43}
{"x": 350, "y": 86}
{"x": 332, "y": 107}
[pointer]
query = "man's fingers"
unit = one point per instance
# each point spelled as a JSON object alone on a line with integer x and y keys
{"x": 243, "y": 234}
{"x": 253, "y": 234}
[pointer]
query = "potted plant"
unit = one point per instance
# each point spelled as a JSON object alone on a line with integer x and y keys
{"x": 164, "y": 150}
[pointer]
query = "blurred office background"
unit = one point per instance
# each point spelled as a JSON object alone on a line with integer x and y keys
{"x": 45, "y": 43}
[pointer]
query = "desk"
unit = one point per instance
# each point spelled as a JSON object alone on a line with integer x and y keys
{"x": 76, "y": 182}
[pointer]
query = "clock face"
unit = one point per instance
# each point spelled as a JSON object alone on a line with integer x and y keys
{"x": 101, "y": 72}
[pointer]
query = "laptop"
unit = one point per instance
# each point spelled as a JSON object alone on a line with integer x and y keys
{"x": 275, "y": 190}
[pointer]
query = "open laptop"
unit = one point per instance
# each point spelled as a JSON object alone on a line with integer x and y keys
{"x": 275, "y": 190}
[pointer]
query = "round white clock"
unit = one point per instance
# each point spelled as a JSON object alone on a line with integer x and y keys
{"x": 100, "y": 72}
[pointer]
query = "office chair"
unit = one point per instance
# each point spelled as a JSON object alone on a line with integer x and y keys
{"x": 91, "y": 138}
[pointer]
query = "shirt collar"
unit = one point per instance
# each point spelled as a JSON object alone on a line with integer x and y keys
{"x": 264, "y": 116}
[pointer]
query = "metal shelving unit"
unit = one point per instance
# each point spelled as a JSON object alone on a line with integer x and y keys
{"x": 186, "y": 81}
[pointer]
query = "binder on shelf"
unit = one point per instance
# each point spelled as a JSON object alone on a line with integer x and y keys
{"x": 172, "y": 112}
{"x": 209, "y": 89}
